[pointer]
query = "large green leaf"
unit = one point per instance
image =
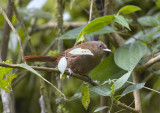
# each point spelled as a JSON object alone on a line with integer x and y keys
{"x": 105, "y": 70}
{"x": 95, "y": 25}
{"x": 128, "y": 56}
{"x": 122, "y": 21}
{"x": 133, "y": 87}
{"x": 129, "y": 9}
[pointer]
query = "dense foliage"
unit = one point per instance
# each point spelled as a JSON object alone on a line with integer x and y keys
{"x": 131, "y": 31}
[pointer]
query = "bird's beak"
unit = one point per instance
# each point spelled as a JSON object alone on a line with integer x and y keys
{"x": 108, "y": 50}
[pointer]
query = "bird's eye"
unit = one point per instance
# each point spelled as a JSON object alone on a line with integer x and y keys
{"x": 100, "y": 45}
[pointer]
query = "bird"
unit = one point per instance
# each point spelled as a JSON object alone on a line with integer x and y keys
{"x": 79, "y": 64}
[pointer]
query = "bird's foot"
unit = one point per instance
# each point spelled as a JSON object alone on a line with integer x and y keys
{"x": 89, "y": 80}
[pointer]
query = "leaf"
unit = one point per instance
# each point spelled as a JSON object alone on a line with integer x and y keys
{"x": 122, "y": 21}
{"x": 148, "y": 21}
{"x": 79, "y": 51}
{"x": 150, "y": 35}
{"x": 62, "y": 65}
{"x": 128, "y": 56}
{"x": 158, "y": 3}
{"x": 155, "y": 87}
{"x": 75, "y": 96}
{"x": 101, "y": 90}
{"x": 27, "y": 67}
{"x": 85, "y": 96}
{"x": 72, "y": 34}
{"x": 133, "y": 87}
{"x": 5, "y": 82}
{"x": 104, "y": 30}
{"x": 129, "y": 9}
{"x": 122, "y": 80}
{"x": 106, "y": 69}
{"x": 100, "y": 108}
{"x": 95, "y": 25}
{"x": 34, "y": 13}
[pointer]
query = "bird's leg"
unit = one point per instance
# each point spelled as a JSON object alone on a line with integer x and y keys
{"x": 70, "y": 73}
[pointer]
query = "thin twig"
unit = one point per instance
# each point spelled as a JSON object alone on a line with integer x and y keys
{"x": 51, "y": 25}
{"x": 18, "y": 37}
{"x": 90, "y": 12}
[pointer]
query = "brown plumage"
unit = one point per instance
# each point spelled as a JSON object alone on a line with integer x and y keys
{"x": 80, "y": 64}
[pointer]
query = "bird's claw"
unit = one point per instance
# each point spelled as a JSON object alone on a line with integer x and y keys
{"x": 89, "y": 79}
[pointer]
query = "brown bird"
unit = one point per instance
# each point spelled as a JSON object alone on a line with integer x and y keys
{"x": 79, "y": 64}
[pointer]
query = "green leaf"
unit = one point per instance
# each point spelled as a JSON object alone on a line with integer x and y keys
{"x": 79, "y": 51}
{"x": 72, "y": 34}
{"x": 148, "y": 21}
{"x": 150, "y": 35}
{"x": 128, "y": 56}
{"x": 156, "y": 87}
{"x": 62, "y": 65}
{"x": 129, "y": 9}
{"x": 100, "y": 108}
{"x": 122, "y": 80}
{"x": 5, "y": 82}
{"x": 85, "y": 96}
{"x": 106, "y": 69}
{"x": 101, "y": 90}
{"x": 53, "y": 53}
{"x": 158, "y": 3}
{"x": 104, "y": 30}
{"x": 95, "y": 25}
{"x": 27, "y": 67}
{"x": 75, "y": 96}
{"x": 34, "y": 13}
{"x": 122, "y": 21}
{"x": 133, "y": 87}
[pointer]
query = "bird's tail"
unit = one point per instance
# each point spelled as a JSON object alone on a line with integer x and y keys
{"x": 34, "y": 58}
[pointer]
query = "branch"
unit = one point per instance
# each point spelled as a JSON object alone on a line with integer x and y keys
{"x": 81, "y": 77}
{"x": 51, "y": 25}
{"x": 122, "y": 105}
{"x": 148, "y": 64}
{"x": 136, "y": 93}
